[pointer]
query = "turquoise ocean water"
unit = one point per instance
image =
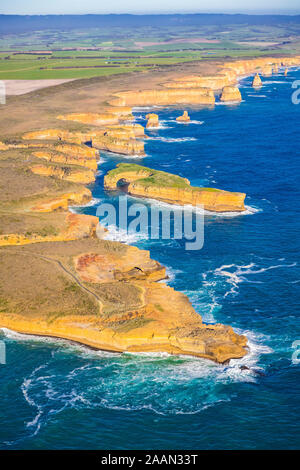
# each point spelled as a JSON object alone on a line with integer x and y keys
{"x": 55, "y": 395}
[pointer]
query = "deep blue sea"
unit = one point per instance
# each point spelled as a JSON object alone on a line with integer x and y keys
{"x": 55, "y": 395}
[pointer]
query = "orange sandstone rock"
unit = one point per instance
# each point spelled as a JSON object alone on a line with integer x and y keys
{"x": 203, "y": 96}
{"x": 267, "y": 70}
{"x": 145, "y": 182}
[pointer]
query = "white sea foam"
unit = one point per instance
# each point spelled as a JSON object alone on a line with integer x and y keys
{"x": 170, "y": 139}
{"x": 120, "y": 235}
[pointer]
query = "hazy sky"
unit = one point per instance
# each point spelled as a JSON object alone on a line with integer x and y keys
{"x": 138, "y": 6}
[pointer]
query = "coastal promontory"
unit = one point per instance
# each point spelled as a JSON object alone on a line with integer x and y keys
{"x": 145, "y": 182}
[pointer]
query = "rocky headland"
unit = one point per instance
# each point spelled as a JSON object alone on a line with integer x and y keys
{"x": 146, "y": 182}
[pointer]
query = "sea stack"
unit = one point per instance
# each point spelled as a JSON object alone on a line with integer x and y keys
{"x": 148, "y": 183}
{"x": 231, "y": 93}
{"x": 152, "y": 120}
{"x": 257, "y": 81}
{"x": 184, "y": 118}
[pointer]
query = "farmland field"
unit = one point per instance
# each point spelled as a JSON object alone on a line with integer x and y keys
{"x": 73, "y": 52}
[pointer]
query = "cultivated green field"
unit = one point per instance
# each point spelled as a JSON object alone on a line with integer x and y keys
{"x": 105, "y": 51}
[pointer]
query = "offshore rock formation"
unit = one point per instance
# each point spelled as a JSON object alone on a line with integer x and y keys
{"x": 145, "y": 182}
{"x": 152, "y": 120}
{"x": 108, "y": 300}
{"x": 231, "y": 93}
{"x": 115, "y": 138}
{"x": 184, "y": 118}
{"x": 203, "y": 96}
{"x": 257, "y": 83}
{"x": 83, "y": 176}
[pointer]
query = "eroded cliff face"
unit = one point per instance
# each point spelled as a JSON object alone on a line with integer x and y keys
{"x": 203, "y": 96}
{"x": 122, "y": 138}
{"x": 257, "y": 83}
{"x": 230, "y": 94}
{"x": 184, "y": 118}
{"x": 267, "y": 70}
{"x": 145, "y": 182}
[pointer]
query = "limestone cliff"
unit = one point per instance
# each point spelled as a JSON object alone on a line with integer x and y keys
{"x": 119, "y": 141}
{"x": 152, "y": 120}
{"x": 95, "y": 119}
{"x": 267, "y": 70}
{"x": 184, "y": 118}
{"x": 231, "y": 93}
{"x": 145, "y": 182}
